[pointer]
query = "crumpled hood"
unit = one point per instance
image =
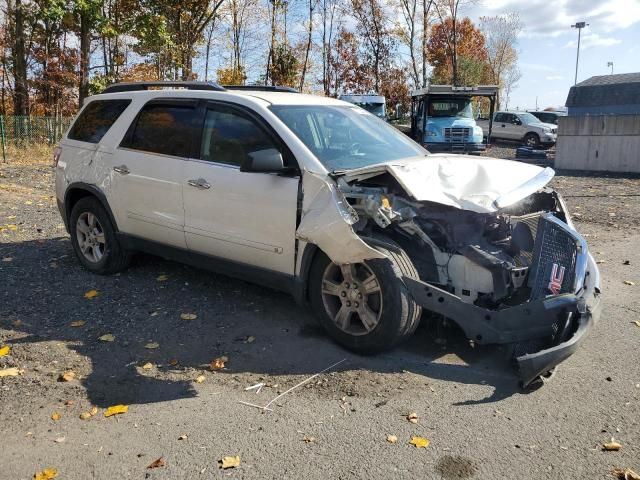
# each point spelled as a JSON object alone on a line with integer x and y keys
{"x": 478, "y": 184}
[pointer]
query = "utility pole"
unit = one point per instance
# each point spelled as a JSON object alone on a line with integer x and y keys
{"x": 610, "y": 64}
{"x": 579, "y": 26}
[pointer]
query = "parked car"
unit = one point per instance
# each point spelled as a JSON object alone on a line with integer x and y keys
{"x": 521, "y": 127}
{"x": 321, "y": 199}
{"x": 375, "y": 104}
{"x": 547, "y": 116}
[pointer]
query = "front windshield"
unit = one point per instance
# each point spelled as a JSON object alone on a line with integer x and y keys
{"x": 450, "y": 107}
{"x": 344, "y": 138}
{"x": 527, "y": 118}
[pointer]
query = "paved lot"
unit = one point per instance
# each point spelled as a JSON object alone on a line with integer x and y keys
{"x": 479, "y": 423}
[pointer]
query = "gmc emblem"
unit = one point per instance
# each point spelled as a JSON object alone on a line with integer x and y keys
{"x": 555, "y": 282}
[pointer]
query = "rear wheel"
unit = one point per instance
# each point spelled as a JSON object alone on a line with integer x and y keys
{"x": 532, "y": 140}
{"x": 94, "y": 239}
{"x": 365, "y": 307}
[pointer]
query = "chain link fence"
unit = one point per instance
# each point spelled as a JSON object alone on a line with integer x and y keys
{"x": 25, "y": 131}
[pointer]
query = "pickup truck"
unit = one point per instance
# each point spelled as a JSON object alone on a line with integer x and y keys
{"x": 521, "y": 127}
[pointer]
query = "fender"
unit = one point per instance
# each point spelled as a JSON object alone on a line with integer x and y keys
{"x": 81, "y": 189}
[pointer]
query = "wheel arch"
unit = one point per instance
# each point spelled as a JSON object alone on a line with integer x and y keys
{"x": 79, "y": 190}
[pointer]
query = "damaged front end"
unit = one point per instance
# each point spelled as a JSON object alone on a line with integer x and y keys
{"x": 506, "y": 266}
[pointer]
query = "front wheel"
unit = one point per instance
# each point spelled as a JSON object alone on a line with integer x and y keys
{"x": 532, "y": 140}
{"x": 365, "y": 307}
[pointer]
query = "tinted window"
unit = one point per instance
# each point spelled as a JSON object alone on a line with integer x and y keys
{"x": 163, "y": 128}
{"x": 500, "y": 117}
{"x": 229, "y": 137}
{"x": 96, "y": 120}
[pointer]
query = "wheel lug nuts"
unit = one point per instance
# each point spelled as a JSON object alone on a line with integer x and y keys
{"x": 343, "y": 294}
{"x": 346, "y": 284}
{"x": 356, "y": 304}
{"x": 360, "y": 296}
{"x": 348, "y": 304}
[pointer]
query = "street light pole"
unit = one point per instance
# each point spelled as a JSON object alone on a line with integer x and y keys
{"x": 579, "y": 26}
{"x": 610, "y": 64}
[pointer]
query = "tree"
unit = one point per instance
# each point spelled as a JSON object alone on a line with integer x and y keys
{"x": 349, "y": 75}
{"x": 448, "y": 10}
{"x": 329, "y": 10}
{"x": 19, "y": 58}
{"x": 88, "y": 16}
{"x": 469, "y": 66}
{"x": 501, "y": 37}
{"x": 231, "y": 76}
{"x": 510, "y": 80}
{"x": 308, "y": 46}
{"x": 284, "y": 66}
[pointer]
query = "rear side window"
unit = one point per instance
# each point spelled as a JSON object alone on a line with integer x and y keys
{"x": 96, "y": 120}
{"x": 163, "y": 128}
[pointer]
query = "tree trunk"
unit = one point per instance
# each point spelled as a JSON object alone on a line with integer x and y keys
{"x": 85, "y": 52}
{"x": 306, "y": 56}
{"x": 21, "y": 92}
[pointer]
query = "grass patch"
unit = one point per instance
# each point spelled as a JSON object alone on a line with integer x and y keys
{"x": 33, "y": 154}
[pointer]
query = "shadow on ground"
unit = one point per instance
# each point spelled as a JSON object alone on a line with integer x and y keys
{"x": 43, "y": 290}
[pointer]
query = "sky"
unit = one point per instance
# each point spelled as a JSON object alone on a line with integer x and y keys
{"x": 547, "y": 45}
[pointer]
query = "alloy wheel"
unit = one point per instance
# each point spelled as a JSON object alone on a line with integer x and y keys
{"x": 91, "y": 238}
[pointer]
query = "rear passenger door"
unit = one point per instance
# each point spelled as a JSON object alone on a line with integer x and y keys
{"x": 148, "y": 168}
{"x": 245, "y": 217}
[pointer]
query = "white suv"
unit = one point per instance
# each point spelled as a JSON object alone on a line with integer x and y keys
{"x": 524, "y": 127}
{"x": 320, "y": 198}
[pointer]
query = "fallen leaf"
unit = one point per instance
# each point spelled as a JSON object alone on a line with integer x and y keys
{"x": 419, "y": 442}
{"x": 152, "y": 345}
{"x": 200, "y": 379}
{"x": 59, "y": 439}
{"x": 17, "y": 323}
{"x": 77, "y": 323}
{"x": 108, "y": 337}
{"x": 9, "y": 372}
{"x": 157, "y": 463}
{"x": 188, "y": 316}
{"x": 147, "y": 366}
{"x": 392, "y": 438}
{"x": 162, "y": 278}
{"x": 46, "y": 474}
{"x": 413, "y": 417}
{"x": 173, "y": 362}
{"x": 250, "y": 339}
{"x": 55, "y": 416}
{"x": 116, "y": 409}
{"x": 308, "y": 439}
{"x": 629, "y": 282}
{"x": 230, "y": 462}
{"x": 93, "y": 411}
{"x": 182, "y": 437}
{"x": 13, "y": 228}
{"x": 219, "y": 363}
{"x": 89, "y": 414}
{"x": 91, "y": 294}
{"x": 611, "y": 446}
{"x": 69, "y": 402}
{"x": 67, "y": 376}
{"x": 637, "y": 322}
{"x": 5, "y": 350}
{"x": 625, "y": 474}
{"x": 7, "y": 259}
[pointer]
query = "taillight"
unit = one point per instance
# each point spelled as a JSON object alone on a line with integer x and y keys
{"x": 56, "y": 155}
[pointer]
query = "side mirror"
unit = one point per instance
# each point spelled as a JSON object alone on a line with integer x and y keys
{"x": 268, "y": 160}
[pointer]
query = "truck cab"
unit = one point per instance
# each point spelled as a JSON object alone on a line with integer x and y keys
{"x": 375, "y": 104}
{"x": 442, "y": 118}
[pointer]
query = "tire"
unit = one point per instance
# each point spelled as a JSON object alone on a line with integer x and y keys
{"x": 532, "y": 140}
{"x": 101, "y": 257}
{"x": 398, "y": 315}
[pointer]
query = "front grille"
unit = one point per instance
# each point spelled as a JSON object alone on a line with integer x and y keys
{"x": 554, "y": 261}
{"x": 456, "y": 134}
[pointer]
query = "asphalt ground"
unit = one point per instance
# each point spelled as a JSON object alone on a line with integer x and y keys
{"x": 479, "y": 423}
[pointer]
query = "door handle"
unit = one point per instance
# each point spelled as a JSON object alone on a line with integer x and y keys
{"x": 122, "y": 170}
{"x": 200, "y": 183}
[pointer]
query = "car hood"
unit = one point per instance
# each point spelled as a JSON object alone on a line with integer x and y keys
{"x": 482, "y": 185}
{"x": 543, "y": 125}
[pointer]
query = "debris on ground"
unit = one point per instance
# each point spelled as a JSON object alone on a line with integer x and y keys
{"x": 10, "y": 372}
{"x": 229, "y": 462}
{"x": 5, "y": 350}
{"x": 188, "y": 316}
{"x": 67, "y": 376}
{"x": 625, "y": 474}
{"x": 107, "y": 337}
{"x": 77, "y": 323}
{"x": 412, "y": 417}
{"x": 419, "y": 442}
{"x": 46, "y": 474}
{"x": 392, "y": 438}
{"x": 116, "y": 410}
{"x": 218, "y": 363}
{"x": 612, "y": 446}
{"x": 91, "y": 294}
{"x": 157, "y": 463}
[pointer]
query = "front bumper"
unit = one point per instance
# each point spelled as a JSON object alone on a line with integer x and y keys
{"x": 561, "y": 321}
{"x": 436, "y": 147}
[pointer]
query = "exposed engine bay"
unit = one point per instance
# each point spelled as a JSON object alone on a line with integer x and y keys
{"x": 486, "y": 259}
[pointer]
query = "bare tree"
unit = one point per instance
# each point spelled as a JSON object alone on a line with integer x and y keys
{"x": 312, "y": 4}
{"x": 501, "y": 38}
{"x": 426, "y": 13}
{"x": 511, "y": 78}
{"x": 329, "y": 9}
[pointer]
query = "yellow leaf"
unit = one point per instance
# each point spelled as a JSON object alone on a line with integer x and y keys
{"x": 11, "y": 217}
{"x": 5, "y": 350}
{"x": 218, "y": 363}
{"x": 152, "y": 345}
{"x": 200, "y": 379}
{"x": 629, "y": 282}
{"x": 9, "y": 372}
{"x": 91, "y": 294}
{"x": 637, "y": 322}
{"x": 89, "y": 414}
{"x": 392, "y": 438}
{"x": 7, "y": 259}
{"x": 188, "y": 316}
{"x": 77, "y": 323}
{"x": 107, "y": 337}
{"x": 13, "y": 228}
{"x": 67, "y": 376}
{"x": 413, "y": 417}
{"x": 55, "y": 416}
{"x": 419, "y": 442}
{"x": 93, "y": 411}
{"x": 162, "y": 278}
{"x": 612, "y": 446}
{"x": 116, "y": 409}
{"x": 147, "y": 366}
{"x": 230, "y": 462}
{"x": 46, "y": 474}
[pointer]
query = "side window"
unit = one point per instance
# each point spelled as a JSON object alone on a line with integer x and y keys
{"x": 229, "y": 136}
{"x": 163, "y": 128}
{"x": 500, "y": 117}
{"x": 96, "y": 119}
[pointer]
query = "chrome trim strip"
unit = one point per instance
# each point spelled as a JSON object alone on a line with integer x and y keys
{"x": 527, "y": 188}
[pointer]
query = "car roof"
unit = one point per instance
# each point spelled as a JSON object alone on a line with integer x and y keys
{"x": 268, "y": 98}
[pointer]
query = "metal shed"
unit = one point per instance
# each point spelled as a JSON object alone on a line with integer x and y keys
{"x": 605, "y": 94}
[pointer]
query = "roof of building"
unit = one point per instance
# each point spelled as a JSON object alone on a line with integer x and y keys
{"x": 603, "y": 90}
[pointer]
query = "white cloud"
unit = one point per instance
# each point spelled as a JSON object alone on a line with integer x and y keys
{"x": 553, "y": 18}
{"x": 593, "y": 40}
{"x": 554, "y": 77}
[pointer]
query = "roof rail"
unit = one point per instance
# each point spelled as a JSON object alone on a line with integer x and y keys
{"x": 137, "y": 86}
{"x": 262, "y": 88}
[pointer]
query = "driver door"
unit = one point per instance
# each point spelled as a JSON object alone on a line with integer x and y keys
{"x": 245, "y": 217}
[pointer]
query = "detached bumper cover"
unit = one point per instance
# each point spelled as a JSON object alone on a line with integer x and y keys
{"x": 564, "y": 318}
